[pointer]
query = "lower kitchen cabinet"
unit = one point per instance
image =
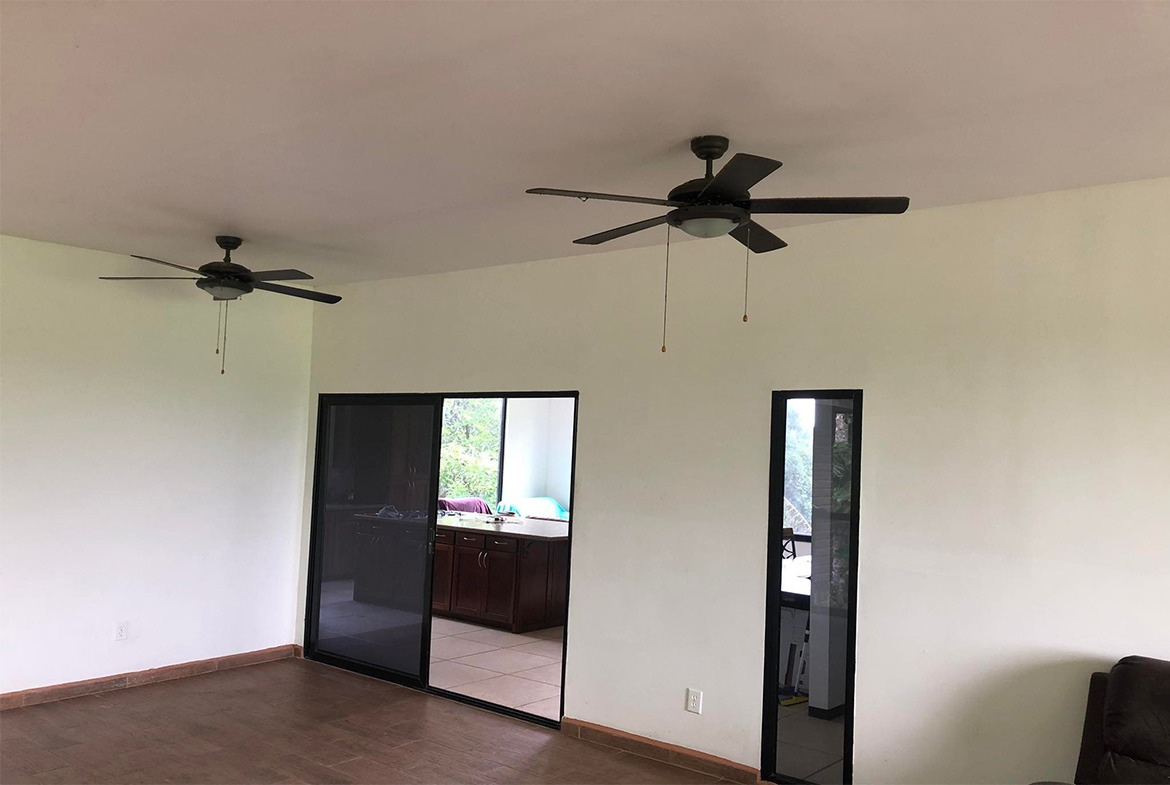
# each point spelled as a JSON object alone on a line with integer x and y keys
{"x": 390, "y": 562}
{"x": 500, "y": 597}
{"x": 338, "y": 541}
{"x": 499, "y": 580}
{"x": 468, "y": 581}
{"x": 444, "y": 563}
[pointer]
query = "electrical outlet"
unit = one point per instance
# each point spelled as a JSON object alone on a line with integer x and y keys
{"x": 694, "y": 700}
{"x": 121, "y": 630}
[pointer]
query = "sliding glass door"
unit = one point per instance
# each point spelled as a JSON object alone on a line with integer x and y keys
{"x": 375, "y": 495}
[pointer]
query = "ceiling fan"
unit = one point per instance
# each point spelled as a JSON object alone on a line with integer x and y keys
{"x": 226, "y": 280}
{"x": 718, "y": 204}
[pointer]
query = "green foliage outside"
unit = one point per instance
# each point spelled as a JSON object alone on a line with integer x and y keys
{"x": 798, "y": 469}
{"x": 843, "y": 477}
{"x": 469, "y": 462}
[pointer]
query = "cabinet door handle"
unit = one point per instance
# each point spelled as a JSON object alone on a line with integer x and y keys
{"x": 485, "y": 559}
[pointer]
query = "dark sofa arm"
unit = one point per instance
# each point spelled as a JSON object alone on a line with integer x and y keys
{"x": 1093, "y": 735}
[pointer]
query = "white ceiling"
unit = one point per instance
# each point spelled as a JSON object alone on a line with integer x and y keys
{"x": 369, "y": 140}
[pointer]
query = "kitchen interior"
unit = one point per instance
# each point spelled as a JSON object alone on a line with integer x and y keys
{"x": 499, "y": 574}
{"x": 500, "y": 577}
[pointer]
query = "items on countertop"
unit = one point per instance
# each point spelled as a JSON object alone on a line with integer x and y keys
{"x": 391, "y": 512}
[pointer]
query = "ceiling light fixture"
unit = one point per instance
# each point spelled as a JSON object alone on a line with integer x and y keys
{"x": 224, "y": 288}
{"x": 707, "y": 221}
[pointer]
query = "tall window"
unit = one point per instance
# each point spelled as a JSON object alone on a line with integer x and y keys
{"x": 798, "y": 446}
{"x": 469, "y": 463}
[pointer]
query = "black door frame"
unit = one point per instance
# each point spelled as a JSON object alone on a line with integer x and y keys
{"x": 775, "y": 565}
{"x": 312, "y": 602}
{"x": 313, "y": 599}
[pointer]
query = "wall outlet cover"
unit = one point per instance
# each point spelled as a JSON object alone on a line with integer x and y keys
{"x": 694, "y": 700}
{"x": 122, "y": 631}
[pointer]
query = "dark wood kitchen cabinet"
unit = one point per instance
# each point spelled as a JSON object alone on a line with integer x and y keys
{"x": 500, "y": 580}
{"x": 338, "y": 540}
{"x": 444, "y": 563}
{"x": 469, "y": 580}
{"x": 390, "y": 562}
{"x": 410, "y": 454}
{"x": 500, "y": 593}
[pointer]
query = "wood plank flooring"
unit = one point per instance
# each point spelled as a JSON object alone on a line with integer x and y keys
{"x": 295, "y": 721}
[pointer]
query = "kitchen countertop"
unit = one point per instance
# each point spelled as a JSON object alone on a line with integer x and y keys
{"x": 529, "y": 528}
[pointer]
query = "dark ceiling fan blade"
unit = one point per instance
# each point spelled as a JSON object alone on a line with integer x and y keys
{"x": 604, "y": 197}
{"x": 826, "y": 205}
{"x": 320, "y": 297}
{"x": 757, "y": 238}
{"x": 621, "y": 231}
{"x": 281, "y": 275}
{"x": 168, "y": 264}
{"x": 145, "y": 278}
{"x": 738, "y": 176}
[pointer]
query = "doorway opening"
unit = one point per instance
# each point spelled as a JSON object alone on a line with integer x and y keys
{"x": 810, "y": 630}
{"x": 440, "y": 541}
{"x": 499, "y": 585}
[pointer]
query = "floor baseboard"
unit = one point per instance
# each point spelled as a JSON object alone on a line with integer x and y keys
{"x": 660, "y": 750}
{"x": 75, "y": 689}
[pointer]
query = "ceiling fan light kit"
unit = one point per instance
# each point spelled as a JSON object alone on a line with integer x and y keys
{"x": 711, "y": 221}
{"x": 224, "y": 289}
{"x": 719, "y": 204}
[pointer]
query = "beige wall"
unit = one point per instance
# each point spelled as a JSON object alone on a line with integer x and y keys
{"x": 1014, "y": 357}
{"x": 136, "y": 483}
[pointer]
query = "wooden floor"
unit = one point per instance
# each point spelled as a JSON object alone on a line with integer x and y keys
{"x": 300, "y": 722}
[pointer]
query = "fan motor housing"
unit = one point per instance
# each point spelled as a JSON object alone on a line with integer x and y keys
{"x": 228, "y": 270}
{"x": 690, "y": 192}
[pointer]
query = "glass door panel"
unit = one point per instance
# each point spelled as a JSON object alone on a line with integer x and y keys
{"x": 811, "y": 617}
{"x": 376, "y": 488}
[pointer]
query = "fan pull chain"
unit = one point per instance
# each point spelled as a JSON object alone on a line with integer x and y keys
{"x": 218, "y": 326}
{"x": 666, "y": 288}
{"x": 747, "y": 268}
{"x": 223, "y": 357}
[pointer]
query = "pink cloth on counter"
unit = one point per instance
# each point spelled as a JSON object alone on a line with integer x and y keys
{"x": 467, "y": 504}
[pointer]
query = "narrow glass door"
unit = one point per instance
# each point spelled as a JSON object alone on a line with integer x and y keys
{"x": 375, "y": 493}
{"x": 808, "y": 702}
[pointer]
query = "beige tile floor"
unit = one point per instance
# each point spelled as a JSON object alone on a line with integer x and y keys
{"x": 519, "y": 671}
{"x": 808, "y": 748}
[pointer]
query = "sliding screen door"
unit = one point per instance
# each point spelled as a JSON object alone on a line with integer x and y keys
{"x": 375, "y": 495}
